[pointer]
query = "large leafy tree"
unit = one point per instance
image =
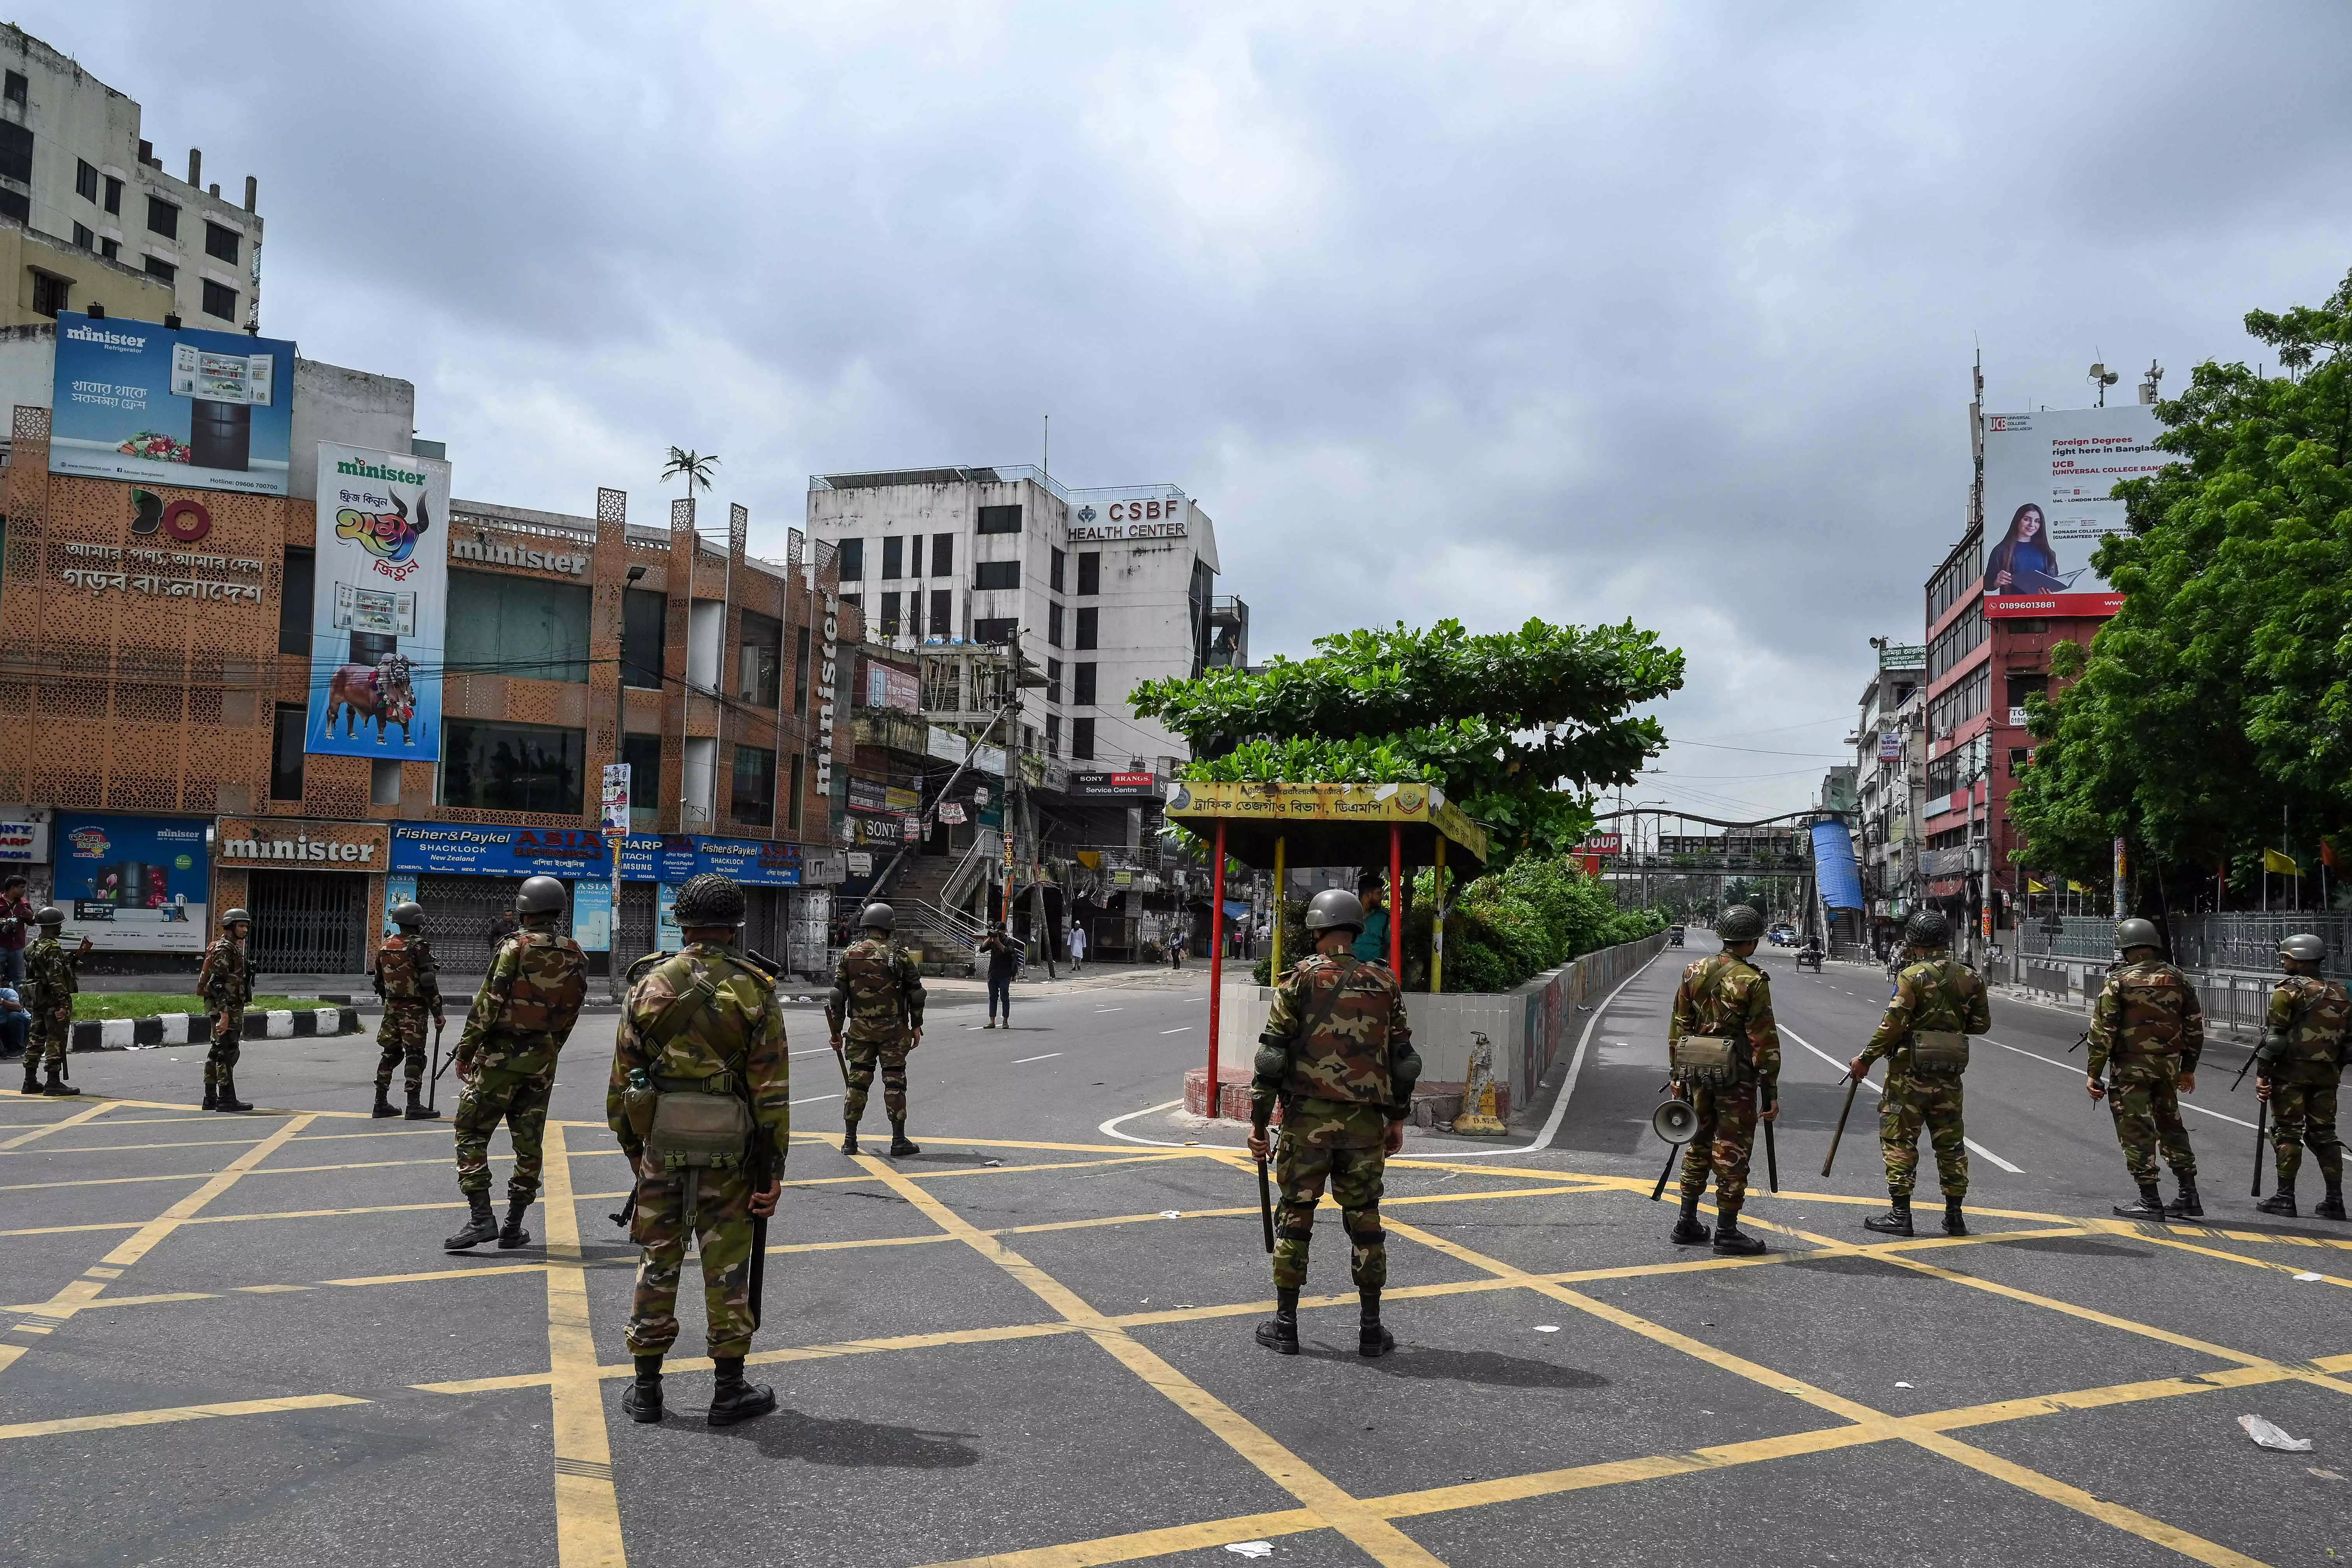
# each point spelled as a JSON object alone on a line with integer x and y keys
{"x": 1517, "y": 727}
{"x": 2213, "y": 714}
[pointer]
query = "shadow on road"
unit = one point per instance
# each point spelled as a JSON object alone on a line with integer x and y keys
{"x": 857, "y": 1445}
{"x": 1487, "y": 1367}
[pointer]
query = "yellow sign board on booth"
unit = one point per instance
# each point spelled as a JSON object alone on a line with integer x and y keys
{"x": 1316, "y": 803}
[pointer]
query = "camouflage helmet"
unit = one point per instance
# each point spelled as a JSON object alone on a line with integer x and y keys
{"x": 709, "y": 900}
{"x": 48, "y": 915}
{"x": 2304, "y": 948}
{"x": 1928, "y": 928}
{"x": 1739, "y": 923}
{"x": 408, "y": 912}
{"x": 228, "y": 918}
{"x": 1332, "y": 909}
{"x": 2135, "y": 932}
{"x": 877, "y": 916}
{"x": 540, "y": 895}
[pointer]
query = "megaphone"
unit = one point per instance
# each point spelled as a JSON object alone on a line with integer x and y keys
{"x": 1673, "y": 1120}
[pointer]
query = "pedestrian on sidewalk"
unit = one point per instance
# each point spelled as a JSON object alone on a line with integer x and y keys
{"x": 1002, "y": 955}
{"x": 1176, "y": 934}
{"x": 1373, "y": 942}
{"x": 1077, "y": 947}
{"x": 15, "y": 929}
{"x": 15, "y": 1024}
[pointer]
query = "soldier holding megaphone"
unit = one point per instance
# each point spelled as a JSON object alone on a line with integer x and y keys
{"x": 1726, "y": 1054}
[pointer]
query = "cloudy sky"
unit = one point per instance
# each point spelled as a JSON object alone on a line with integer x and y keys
{"x": 1580, "y": 311}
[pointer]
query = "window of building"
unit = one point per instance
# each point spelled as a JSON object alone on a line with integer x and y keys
{"x": 1082, "y": 684}
{"x": 1054, "y": 575}
{"x": 1053, "y": 734}
{"x": 943, "y": 554}
{"x": 1944, "y": 775}
{"x": 1053, "y": 625}
{"x": 163, "y": 217}
{"x": 15, "y": 91}
{"x": 15, "y": 203}
{"x": 999, "y": 519}
{"x": 220, "y": 300}
{"x": 915, "y": 613}
{"x": 995, "y": 629}
{"x": 1053, "y": 681}
{"x": 84, "y": 237}
{"x": 1959, "y": 703}
{"x": 753, "y": 799}
{"x": 996, "y": 575}
{"x": 15, "y": 152}
{"x": 499, "y": 766}
{"x": 294, "y": 601}
{"x": 800, "y": 671}
{"x": 286, "y": 752}
{"x": 889, "y": 627}
{"x": 1957, "y": 641}
{"x": 1958, "y": 576}
{"x": 49, "y": 292}
{"x": 759, "y": 659}
{"x": 110, "y": 248}
{"x": 1089, "y": 571}
{"x": 792, "y": 796}
{"x": 113, "y": 202}
{"x": 1082, "y": 740}
{"x": 644, "y": 628}
{"x": 526, "y": 626}
{"x": 162, "y": 270}
{"x": 893, "y": 556}
{"x": 942, "y": 612}
{"x": 85, "y": 179}
{"x": 1089, "y": 625}
{"x": 853, "y": 560}
{"x": 221, "y": 242}
{"x": 2020, "y": 759}
{"x": 914, "y": 555}
{"x": 643, "y": 754}
{"x": 2024, "y": 683}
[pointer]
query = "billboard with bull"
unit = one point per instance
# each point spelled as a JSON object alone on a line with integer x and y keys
{"x": 379, "y": 610}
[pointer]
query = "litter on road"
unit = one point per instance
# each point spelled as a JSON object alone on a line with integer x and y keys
{"x": 2270, "y": 1434}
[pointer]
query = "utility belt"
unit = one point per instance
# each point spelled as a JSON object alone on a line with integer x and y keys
{"x": 689, "y": 1124}
{"x": 1940, "y": 1052}
{"x": 1707, "y": 1059}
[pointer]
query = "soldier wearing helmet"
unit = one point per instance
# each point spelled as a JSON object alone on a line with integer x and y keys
{"x": 409, "y": 980}
{"x": 1337, "y": 1055}
{"x": 225, "y": 983}
{"x": 877, "y": 994}
{"x": 506, "y": 1058}
{"x": 50, "y": 982}
{"x": 1924, "y": 1036}
{"x": 1725, "y": 1052}
{"x": 2297, "y": 1067}
{"x": 2147, "y": 1030}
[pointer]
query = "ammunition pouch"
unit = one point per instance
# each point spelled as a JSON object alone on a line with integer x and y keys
{"x": 1939, "y": 1052}
{"x": 698, "y": 1130}
{"x": 637, "y": 1103}
{"x": 1705, "y": 1058}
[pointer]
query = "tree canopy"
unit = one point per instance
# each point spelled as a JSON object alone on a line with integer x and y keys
{"x": 1517, "y": 727}
{"x": 2212, "y": 716}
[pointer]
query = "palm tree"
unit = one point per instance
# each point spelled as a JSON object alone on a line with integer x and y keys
{"x": 692, "y": 466}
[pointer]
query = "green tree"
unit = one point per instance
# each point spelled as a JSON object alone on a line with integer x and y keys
{"x": 694, "y": 468}
{"x": 2217, "y": 705}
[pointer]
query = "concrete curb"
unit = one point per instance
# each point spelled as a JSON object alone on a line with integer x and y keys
{"x": 194, "y": 1028}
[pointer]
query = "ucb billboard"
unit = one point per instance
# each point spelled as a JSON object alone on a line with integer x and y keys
{"x": 171, "y": 406}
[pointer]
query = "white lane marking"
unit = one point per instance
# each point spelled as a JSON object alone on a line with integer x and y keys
{"x": 818, "y": 1050}
{"x": 1185, "y": 1030}
{"x": 1973, "y": 1146}
{"x": 813, "y": 1099}
{"x": 1048, "y": 1057}
{"x": 1110, "y": 1009}
{"x": 1110, "y": 1129}
{"x": 2084, "y": 1072}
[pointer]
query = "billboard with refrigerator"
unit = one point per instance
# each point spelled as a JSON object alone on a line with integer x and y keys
{"x": 133, "y": 884}
{"x": 2048, "y": 479}
{"x": 171, "y": 406}
{"x": 380, "y": 607}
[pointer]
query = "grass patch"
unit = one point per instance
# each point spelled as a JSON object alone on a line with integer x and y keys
{"x": 148, "y": 1004}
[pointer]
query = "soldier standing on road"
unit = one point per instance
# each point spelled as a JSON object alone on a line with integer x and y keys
{"x": 702, "y": 1034}
{"x": 2149, "y": 1024}
{"x": 877, "y": 992}
{"x": 49, "y": 977}
{"x": 225, "y": 983}
{"x": 1337, "y": 1055}
{"x": 1726, "y": 1054}
{"x": 409, "y": 981}
{"x": 516, "y": 1029}
{"x": 2296, "y": 1069}
{"x": 1936, "y": 1005}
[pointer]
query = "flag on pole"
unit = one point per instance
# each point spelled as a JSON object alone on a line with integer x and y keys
{"x": 2280, "y": 862}
{"x": 2328, "y": 853}
{"x": 2075, "y": 887}
{"x": 2034, "y": 887}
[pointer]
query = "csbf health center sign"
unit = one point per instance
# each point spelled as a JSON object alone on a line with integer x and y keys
{"x": 379, "y": 613}
{"x": 171, "y": 406}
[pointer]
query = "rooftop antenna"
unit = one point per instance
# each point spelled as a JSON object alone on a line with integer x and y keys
{"x": 1045, "y": 462}
{"x": 2103, "y": 378}
{"x": 2155, "y": 379}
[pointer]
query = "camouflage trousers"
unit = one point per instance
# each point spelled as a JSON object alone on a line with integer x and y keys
{"x": 860, "y": 1057}
{"x": 1723, "y": 1141}
{"x": 2304, "y": 1113}
{"x": 50, "y": 1039}
{"x": 722, "y": 1226}
{"x": 228, "y": 1044}
{"x": 1909, "y": 1104}
{"x": 2148, "y": 1120}
{"x": 402, "y": 1036}
{"x": 518, "y": 1098}
{"x": 1301, "y": 1172}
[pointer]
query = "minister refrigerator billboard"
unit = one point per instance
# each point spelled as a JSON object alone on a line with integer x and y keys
{"x": 171, "y": 406}
{"x": 2048, "y": 478}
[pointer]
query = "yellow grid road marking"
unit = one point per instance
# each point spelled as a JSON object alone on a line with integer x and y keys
{"x": 587, "y": 1508}
{"x": 88, "y": 1113}
{"x": 122, "y": 1418}
{"x": 2122, "y": 1227}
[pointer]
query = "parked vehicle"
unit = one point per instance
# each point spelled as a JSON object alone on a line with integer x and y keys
{"x": 1674, "y": 936}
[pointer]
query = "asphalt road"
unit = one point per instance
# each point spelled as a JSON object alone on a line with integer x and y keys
{"x": 236, "y": 1339}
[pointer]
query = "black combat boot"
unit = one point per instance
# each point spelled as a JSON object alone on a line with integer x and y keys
{"x": 732, "y": 1399}
{"x": 228, "y": 1099}
{"x": 1730, "y": 1241}
{"x": 2186, "y": 1206}
{"x": 513, "y": 1235}
{"x": 1279, "y": 1334}
{"x": 212, "y": 1091}
{"x": 384, "y": 1106}
{"x": 900, "y": 1142}
{"x": 417, "y": 1111}
{"x": 641, "y": 1401}
{"x": 1955, "y": 1222}
{"x": 2332, "y": 1206}
{"x": 2150, "y": 1207}
{"x": 482, "y": 1226}
{"x": 1897, "y": 1220}
{"x": 2281, "y": 1202}
{"x": 1690, "y": 1230}
{"x": 58, "y": 1084}
{"x": 32, "y": 1073}
{"x": 1372, "y": 1340}
{"x": 849, "y": 1135}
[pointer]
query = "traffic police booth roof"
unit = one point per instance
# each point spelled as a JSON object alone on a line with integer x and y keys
{"x": 1327, "y": 824}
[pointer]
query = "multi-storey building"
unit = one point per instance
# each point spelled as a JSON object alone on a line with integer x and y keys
{"x": 1887, "y": 747}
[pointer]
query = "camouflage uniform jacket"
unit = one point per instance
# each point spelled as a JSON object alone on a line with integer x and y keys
{"x": 225, "y": 981}
{"x": 2147, "y": 1015}
{"x": 2311, "y": 1014}
{"x": 527, "y": 1005}
{"x": 738, "y": 1033}
{"x": 1933, "y": 994}
{"x": 1723, "y": 996}
{"x": 406, "y": 971}
{"x": 49, "y": 977}
{"x": 1357, "y": 1057}
{"x": 877, "y": 990}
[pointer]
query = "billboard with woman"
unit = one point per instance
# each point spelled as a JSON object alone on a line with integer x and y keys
{"x": 2049, "y": 483}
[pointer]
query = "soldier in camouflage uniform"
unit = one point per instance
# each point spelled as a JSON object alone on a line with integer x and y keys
{"x": 1337, "y": 1055}
{"x": 1936, "y": 1004}
{"x": 876, "y": 991}
{"x": 2148, "y": 1025}
{"x": 702, "y": 1023}
{"x": 409, "y": 981}
{"x": 225, "y": 983}
{"x": 50, "y": 985}
{"x": 1725, "y": 1051}
{"x": 515, "y": 1030}
{"x": 2297, "y": 1067}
